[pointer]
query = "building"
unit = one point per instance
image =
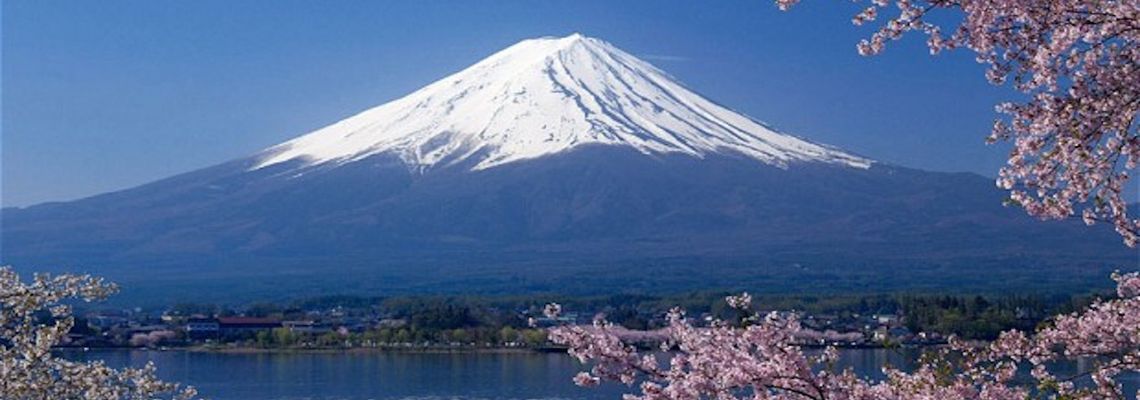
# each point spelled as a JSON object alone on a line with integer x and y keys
{"x": 310, "y": 327}
{"x": 202, "y": 328}
{"x": 887, "y": 319}
{"x": 239, "y": 326}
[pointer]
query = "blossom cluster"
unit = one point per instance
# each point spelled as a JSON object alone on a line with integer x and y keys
{"x": 760, "y": 360}
{"x": 1077, "y": 62}
{"x": 34, "y": 317}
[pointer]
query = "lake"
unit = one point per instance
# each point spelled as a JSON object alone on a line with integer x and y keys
{"x": 388, "y": 375}
{"x": 402, "y": 375}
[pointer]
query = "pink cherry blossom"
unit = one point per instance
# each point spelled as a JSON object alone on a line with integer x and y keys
{"x": 29, "y": 369}
{"x": 1077, "y": 63}
{"x": 763, "y": 360}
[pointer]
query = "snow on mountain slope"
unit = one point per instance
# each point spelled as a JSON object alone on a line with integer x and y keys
{"x": 545, "y": 96}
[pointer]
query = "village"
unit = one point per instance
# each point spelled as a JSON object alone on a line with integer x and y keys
{"x": 443, "y": 328}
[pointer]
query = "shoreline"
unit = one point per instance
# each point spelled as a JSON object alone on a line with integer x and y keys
{"x": 396, "y": 349}
{"x": 365, "y": 350}
{"x": 323, "y": 350}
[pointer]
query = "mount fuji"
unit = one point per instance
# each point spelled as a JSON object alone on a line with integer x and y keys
{"x": 557, "y": 164}
{"x": 543, "y": 97}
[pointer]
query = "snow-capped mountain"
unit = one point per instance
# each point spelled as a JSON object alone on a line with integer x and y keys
{"x": 546, "y": 96}
{"x": 557, "y": 164}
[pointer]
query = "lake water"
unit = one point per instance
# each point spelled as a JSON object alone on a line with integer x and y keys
{"x": 405, "y": 376}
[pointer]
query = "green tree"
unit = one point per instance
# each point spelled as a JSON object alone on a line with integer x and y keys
{"x": 534, "y": 337}
{"x": 508, "y": 335}
{"x": 284, "y": 337}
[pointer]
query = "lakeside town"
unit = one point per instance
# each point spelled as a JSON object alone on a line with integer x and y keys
{"x": 451, "y": 324}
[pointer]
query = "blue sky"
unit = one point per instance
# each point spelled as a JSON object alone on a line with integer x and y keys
{"x": 101, "y": 96}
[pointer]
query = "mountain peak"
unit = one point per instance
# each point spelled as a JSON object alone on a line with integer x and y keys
{"x": 569, "y": 39}
{"x": 545, "y": 96}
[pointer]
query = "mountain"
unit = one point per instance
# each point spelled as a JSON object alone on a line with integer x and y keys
{"x": 543, "y": 97}
{"x": 557, "y": 164}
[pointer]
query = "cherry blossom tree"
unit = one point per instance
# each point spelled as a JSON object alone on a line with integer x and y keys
{"x": 1075, "y": 142}
{"x": 1078, "y": 64}
{"x": 34, "y": 317}
{"x": 760, "y": 359}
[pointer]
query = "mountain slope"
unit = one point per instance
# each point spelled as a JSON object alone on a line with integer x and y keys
{"x": 554, "y": 165}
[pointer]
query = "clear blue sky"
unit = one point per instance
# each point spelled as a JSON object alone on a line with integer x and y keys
{"x": 100, "y": 96}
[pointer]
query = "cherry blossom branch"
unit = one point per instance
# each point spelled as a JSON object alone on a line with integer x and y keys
{"x": 28, "y": 369}
{"x": 1078, "y": 64}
